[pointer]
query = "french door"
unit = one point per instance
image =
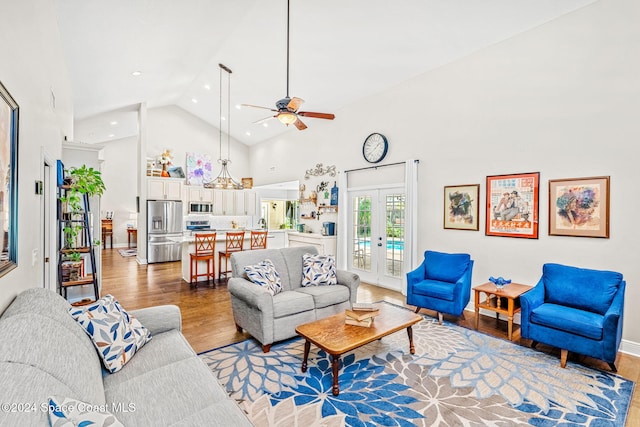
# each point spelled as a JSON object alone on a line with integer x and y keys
{"x": 376, "y": 236}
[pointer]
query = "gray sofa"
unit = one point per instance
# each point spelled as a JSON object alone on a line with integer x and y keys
{"x": 274, "y": 318}
{"x": 44, "y": 352}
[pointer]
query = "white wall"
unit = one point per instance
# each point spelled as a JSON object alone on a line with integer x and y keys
{"x": 119, "y": 170}
{"x": 31, "y": 67}
{"x": 561, "y": 99}
{"x": 179, "y": 131}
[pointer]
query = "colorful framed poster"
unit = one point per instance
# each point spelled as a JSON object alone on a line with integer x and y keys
{"x": 461, "y": 207}
{"x": 512, "y": 205}
{"x": 579, "y": 207}
{"x": 198, "y": 169}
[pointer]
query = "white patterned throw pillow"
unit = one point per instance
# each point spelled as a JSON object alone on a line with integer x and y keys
{"x": 115, "y": 334}
{"x": 318, "y": 270}
{"x": 264, "y": 274}
{"x": 67, "y": 412}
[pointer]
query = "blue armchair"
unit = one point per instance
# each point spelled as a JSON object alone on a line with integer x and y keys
{"x": 441, "y": 283}
{"x": 575, "y": 309}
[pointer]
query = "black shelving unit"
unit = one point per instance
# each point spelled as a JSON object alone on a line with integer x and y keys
{"x": 76, "y": 273}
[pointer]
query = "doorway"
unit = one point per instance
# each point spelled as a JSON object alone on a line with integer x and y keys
{"x": 376, "y": 237}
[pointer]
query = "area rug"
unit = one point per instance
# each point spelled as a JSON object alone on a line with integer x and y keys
{"x": 128, "y": 252}
{"x": 457, "y": 377}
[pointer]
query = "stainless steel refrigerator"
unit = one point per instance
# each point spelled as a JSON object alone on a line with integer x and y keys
{"x": 164, "y": 230}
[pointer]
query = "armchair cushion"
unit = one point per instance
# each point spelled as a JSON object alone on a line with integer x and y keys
{"x": 445, "y": 267}
{"x": 585, "y": 289}
{"x": 568, "y": 319}
{"x": 435, "y": 289}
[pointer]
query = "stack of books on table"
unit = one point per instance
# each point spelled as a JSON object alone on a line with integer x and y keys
{"x": 361, "y": 314}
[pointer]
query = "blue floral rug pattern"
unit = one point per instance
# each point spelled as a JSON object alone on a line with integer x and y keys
{"x": 457, "y": 377}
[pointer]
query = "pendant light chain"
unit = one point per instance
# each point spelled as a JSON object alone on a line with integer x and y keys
{"x": 220, "y": 117}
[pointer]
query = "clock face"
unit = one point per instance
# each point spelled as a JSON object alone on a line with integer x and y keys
{"x": 375, "y": 148}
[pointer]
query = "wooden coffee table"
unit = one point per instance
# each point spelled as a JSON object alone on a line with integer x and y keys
{"x": 335, "y": 337}
{"x": 505, "y": 301}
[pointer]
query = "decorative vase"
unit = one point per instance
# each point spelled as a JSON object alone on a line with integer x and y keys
{"x": 164, "y": 171}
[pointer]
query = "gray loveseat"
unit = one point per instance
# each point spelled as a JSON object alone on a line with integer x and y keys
{"x": 274, "y": 318}
{"x": 44, "y": 352}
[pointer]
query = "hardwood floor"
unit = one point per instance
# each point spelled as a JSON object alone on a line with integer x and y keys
{"x": 207, "y": 321}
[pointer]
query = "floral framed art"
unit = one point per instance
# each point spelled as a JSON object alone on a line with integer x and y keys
{"x": 8, "y": 181}
{"x": 579, "y": 207}
{"x": 198, "y": 169}
{"x": 512, "y": 205}
{"x": 461, "y": 207}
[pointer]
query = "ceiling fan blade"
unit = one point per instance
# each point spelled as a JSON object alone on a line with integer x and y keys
{"x": 257, "y": 122}
{"x": 257, "y": 106}
{"x": 327, "y": 116}
{"x": 294, "y": 104}
{"x": 298, "y": 123}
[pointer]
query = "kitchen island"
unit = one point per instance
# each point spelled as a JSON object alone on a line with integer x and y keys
{"x": 275, "y": 239}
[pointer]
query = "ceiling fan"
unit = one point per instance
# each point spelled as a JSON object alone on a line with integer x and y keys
{"x": 287, "y": 108}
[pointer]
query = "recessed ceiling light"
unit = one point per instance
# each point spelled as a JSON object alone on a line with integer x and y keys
{"x": 238, "y": 107}
{"x": 265, "y": 124}
{"x": 207, "y": 87}
{"x": 223, "y": 118}
{"x": 195, "y": 101}
{"x": 111, "y": 135}
{"x": 248, "y": 133}
{"x": 136, "y": 73}
{"x": 113, "y": 123}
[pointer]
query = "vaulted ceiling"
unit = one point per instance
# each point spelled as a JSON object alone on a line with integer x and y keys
{"x": 340, "y": 51}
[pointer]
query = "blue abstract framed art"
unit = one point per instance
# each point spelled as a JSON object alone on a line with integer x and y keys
{"x": 8, "y": 181}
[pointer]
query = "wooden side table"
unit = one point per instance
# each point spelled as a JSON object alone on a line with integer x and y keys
{"x": 505, "y": 301}
{"x": 132, "y": 233}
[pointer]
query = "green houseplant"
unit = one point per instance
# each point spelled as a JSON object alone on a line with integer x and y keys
{"x": 80, "y": 181}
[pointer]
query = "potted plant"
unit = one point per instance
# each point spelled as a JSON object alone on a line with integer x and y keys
{"x": 80, "y": 181}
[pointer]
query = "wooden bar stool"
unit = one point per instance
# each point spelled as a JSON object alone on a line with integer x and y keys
{"x": 258, "y": 239}
{"x": 234, "y": 242}
{"x": 205, "y": 251}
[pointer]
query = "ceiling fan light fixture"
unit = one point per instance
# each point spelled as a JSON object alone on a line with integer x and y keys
{"x": 287, "y": 117}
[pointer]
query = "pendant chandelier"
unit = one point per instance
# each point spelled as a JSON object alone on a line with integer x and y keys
{"x": 224, "y": 180}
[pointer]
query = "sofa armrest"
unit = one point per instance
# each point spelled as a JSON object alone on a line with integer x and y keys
{"x": 158, "y": 319}
{"x": 350, "y": 280}
{"x": 529, "y": 301}
{"x": 252, "y": 294}
{"x": 612, "y": 323}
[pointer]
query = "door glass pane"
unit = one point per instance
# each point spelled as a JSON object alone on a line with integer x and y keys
{"x": 362, "y": 232}
{"x": 395, "y": 209}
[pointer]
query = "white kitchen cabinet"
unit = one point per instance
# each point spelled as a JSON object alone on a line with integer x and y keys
{"x": 224, "y": 202}
{"x": 276, "y": 239}
{"x": 326, "y": 245}
{"x": 199, "y": 194}
{"x": 245, "y": 202}
{"x": 164, "y": 189}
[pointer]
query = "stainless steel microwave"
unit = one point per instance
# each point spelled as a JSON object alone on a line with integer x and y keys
{"x": 199, "y": 207}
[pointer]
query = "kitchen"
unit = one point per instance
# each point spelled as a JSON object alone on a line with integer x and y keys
{"x": 172, "y": 224}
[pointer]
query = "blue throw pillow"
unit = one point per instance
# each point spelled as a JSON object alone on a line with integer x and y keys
{"x": 591, "y": 290}
{"x": 264, "y": 274}
{"x": 318, "y": 270}
{"x": 115, "y": 333}
{"x": 445, "y": 267}
{"x": 67, "y": 412}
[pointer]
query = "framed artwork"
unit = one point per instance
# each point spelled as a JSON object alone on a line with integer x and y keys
{"x": 8, "y": 181}
{"x": 512, "y": 205}
{"x": 461, "y": 206}
{"x": 198, "y": 169}
{"x": 175, "y": 172}
{"x": 579, "y": 207}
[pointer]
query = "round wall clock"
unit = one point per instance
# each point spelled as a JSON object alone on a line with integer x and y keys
{"x": 375, "y": 147}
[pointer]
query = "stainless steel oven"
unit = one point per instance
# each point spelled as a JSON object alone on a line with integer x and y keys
{"x": 199, "y": 207}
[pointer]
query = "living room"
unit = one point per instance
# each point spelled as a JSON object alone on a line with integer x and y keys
{"x": 559, "y": 99}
